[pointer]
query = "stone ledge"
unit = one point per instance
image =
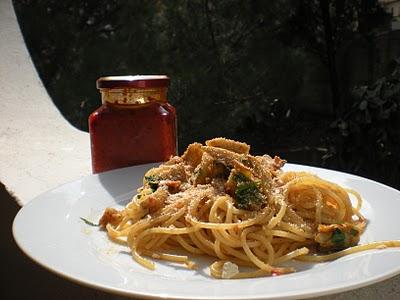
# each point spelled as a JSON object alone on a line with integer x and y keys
{"x": 39, "y": 148}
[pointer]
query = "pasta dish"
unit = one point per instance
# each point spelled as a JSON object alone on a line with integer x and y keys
{"x": 244, "y": 210}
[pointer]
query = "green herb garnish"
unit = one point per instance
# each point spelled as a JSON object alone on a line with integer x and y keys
{"x": 338, "y": 237}
{"x": 153, "y": 182}
{"x": 247, "y": 193}
{"x": 239, "y": 178}
{"x": 89, "y": 222}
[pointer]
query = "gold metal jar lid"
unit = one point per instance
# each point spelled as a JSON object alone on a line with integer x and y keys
{"x": 135, "y": 82}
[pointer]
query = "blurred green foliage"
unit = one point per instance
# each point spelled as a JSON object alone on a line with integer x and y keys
{"x": 219, "y": 56}
{"x": 371, "y": 127}
{"x": 275, "y": 74}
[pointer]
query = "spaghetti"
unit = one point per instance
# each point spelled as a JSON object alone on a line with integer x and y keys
{"x": 217, "y": 199}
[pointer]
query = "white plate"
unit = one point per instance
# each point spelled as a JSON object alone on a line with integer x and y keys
{"x": 49, "y": 230}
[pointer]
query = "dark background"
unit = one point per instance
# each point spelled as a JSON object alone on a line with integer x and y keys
{"x": 316, "y": 82}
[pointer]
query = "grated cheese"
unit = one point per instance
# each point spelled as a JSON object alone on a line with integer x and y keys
{"x": 229, "y": 270}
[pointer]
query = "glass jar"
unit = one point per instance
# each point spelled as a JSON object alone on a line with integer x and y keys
{"x": 134, "y": 125}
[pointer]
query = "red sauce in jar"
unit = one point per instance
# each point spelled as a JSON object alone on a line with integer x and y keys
{"x": 135, "y": 124}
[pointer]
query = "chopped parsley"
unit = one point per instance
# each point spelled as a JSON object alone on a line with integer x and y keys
{"x": 239, "y": 178}
{"x": 89, "y": 222}
{"x": 247, "y": 193}
{"x": 338, "y": 237}
{"x": 153, "y": 182}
